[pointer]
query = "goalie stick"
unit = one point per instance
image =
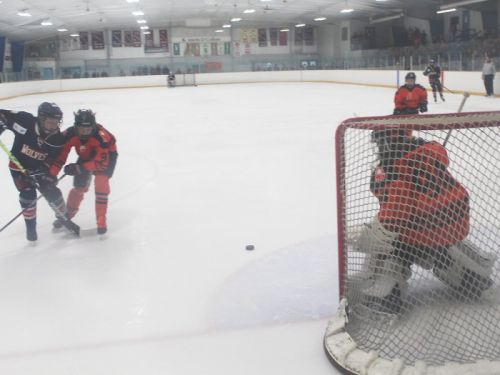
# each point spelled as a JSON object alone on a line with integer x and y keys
{"x": 71, "y": 226}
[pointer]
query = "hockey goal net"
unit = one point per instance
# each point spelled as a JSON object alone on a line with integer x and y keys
{"x": 181, "y": 80}
{"x": 419, "y": 234}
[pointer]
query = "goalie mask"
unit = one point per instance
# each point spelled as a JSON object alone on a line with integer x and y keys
{"x": 392, "y": 144}
{"x": 85, "y": 124}
{"x": 49, "y": 119}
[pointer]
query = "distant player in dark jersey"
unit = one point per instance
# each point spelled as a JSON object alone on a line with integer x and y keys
{"x": 410, "y": 98}
{"x": 97, "y": 156}
{"x": 171, "y": 80}
{"x": 37, "y": 144}
{"x": 433, "y": 71}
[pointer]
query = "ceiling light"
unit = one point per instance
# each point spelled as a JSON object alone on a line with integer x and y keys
{"x": 74, "y": 35}
{"x": 266, "y": 1}
{"x": 285, "y": 30}
{"x": 388, "y": 18}
{"x": 380, "y": 1}
{"x": 320, "y": 19}
{"x": 142, "y": 21}
{"x": 144, "y": 27}
{"x": 138, "y": 13}
{"x": 146, "y": 32}
{"x": 460, "y": 3}
{"x": 226, "y": 26}
{"x": 236, "y": 19}
{"x": 62, "y": 30}
{"x": 300, "y": 25}
{"x": 347, "y": 10}
{"x": 24, "y": 13}
{"x": 248, "y": 11}
{"x": 446, "y": 10}
{"x": 46, "y": 23}
{"x": 132, "y": 1}
{"x": 219, "y": 31}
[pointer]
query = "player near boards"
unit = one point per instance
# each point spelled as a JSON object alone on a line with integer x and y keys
{"x": 37, "y": 143}
{"x": 423, "y": 219}
{"x": 171, "y": 79}
{"x": 97, "y": 156}
{"x": 433, "y": 72}
{"x": 410, "y": 98}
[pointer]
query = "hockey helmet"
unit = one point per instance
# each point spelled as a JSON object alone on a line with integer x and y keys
{"x": 49, "y": 118}
{"x": 84, "y": 123}
{"x": 410, "y": 79}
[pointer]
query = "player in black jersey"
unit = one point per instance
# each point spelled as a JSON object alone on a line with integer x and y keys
{"x": 37, "y": 143}
{"x": 433, "y": 71}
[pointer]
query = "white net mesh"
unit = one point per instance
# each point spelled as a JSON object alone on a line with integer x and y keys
{"x": 420, "y": 233}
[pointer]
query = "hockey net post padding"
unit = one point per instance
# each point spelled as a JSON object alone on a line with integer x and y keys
{"x": 443, "y": 324}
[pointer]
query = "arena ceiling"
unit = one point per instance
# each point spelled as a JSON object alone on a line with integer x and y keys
{"x": 22, "y": 19}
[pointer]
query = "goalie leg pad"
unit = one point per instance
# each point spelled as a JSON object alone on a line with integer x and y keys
{"x": 375, "y": 239}
{"x": 466, "y": 269}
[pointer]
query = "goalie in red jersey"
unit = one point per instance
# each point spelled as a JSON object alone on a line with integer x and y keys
{"x": 411, "y": 97}
{"x": 423, "y": 219}
{"x": 97, "y": 155}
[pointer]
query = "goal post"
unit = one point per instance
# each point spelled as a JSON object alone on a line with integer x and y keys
{"x": 418, "y": 242}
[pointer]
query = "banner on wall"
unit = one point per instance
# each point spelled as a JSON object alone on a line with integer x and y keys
{"x": 177, "y": 49}
{"x": 248, "y": 36}
{"x": 163, "y": 38}
{"x": 283, "y": 38}
{"x": 149, "y": 40}
{"x": 262, "y": 37}
{"x": 84, "y": 40}
{"x": 97, "y": 40}
{"x": 273, "y": 36}
{"x": 17, "y": 55}
{"x": 3, "y": 41}
{"x": 201, "y": 46}
{"x": 116, "y": 38}
{"x": 136, "y": 38}
{"x": 128, "y": 38}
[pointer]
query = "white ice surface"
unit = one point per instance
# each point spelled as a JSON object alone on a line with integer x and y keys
{"x": 202, "y": 172}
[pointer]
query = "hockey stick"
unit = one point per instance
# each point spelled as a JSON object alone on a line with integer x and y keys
{"x": 66, "y": 222}
{"x": 462, "y": 104}
{"x": 31, "y": 205}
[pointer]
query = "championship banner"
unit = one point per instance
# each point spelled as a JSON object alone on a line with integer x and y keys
{"x": 249, "y": 36}
{"x": 116, "y": 38}
{"x": 84, "y": 40}
{"x": 97, "y": 40}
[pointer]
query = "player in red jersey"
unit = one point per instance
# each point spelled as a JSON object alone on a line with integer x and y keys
{"x": 97, "y": 155}
{"x": 423, "y": 219}
{"x": 411, "y": 97}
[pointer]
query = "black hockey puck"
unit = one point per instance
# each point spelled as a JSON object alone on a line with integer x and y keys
{"x": 250, "y": 247}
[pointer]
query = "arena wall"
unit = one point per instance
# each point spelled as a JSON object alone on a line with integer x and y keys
{"x": 454, "y": 81}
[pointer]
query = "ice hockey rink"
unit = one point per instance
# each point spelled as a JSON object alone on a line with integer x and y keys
{"x": 202, "y": 172}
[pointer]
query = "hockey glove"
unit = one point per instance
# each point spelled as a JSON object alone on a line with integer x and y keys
{"x": 397, "y": 111}
{"x": 423, "y": 107}
{"x": 42, "y": 178}
{"x": 73, "y": 169}
{"x": 3, "y": 123}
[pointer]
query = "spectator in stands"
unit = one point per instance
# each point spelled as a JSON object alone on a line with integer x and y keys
{"x": 488, "y": 75}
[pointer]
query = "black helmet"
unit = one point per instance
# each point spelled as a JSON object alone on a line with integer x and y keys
{"x": 49, "y": 118}
{"x": 432, "y": 62}
{"x": 84, "y": 123}
{"x": 410, "y": 75}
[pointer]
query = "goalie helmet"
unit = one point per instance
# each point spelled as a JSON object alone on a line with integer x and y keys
{"x": 391, "y": 143}
{"x": 49, "y": 118}
{"x": 85, "y": 124}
